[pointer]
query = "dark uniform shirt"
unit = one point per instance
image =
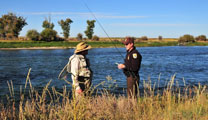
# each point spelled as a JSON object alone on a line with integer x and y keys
{"x": 132, "y": 62}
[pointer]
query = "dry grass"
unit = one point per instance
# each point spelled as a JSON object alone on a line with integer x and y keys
{"x": 51, "y": 104}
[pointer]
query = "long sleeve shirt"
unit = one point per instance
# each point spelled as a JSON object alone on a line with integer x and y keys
{"x": 132, "y": 61}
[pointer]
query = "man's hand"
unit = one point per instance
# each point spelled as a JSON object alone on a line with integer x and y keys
{"x": 121, "y": 66}
{"x": 65, "y": 77}
{"x": 79, "y": 91}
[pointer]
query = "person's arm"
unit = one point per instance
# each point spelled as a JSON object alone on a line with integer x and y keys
{"x": 75, "y": 73}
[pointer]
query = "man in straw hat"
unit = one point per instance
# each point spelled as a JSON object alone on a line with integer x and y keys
{"x": 131, "y": 67}
{"x": 79, "y": 67}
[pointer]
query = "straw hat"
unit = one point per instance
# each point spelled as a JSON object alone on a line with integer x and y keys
{"x": 82, "y": 46}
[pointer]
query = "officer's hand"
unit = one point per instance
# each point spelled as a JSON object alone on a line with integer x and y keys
{"x": 121, "y": 66}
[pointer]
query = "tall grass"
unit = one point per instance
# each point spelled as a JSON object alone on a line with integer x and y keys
{"x": 171, "y": 103}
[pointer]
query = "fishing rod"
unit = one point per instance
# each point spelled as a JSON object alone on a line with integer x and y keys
{"x": 105, "y": 33}
{"x": 102, "y": 27}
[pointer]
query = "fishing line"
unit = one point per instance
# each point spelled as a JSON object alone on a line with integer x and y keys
{"x": 101, "y": 27}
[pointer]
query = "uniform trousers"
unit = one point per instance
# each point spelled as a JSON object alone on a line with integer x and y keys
{"x": 132, "y": 86}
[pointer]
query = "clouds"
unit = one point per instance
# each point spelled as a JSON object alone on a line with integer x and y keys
{"x": 152, "y": 25}
{"x": 52, "y": 13}
{"x": 84, "y": 14}
{"x": 119, "y": 24}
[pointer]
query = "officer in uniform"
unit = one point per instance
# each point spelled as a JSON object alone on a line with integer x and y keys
{"x": 79, "y": 67}
{"x": 131, "y": 67}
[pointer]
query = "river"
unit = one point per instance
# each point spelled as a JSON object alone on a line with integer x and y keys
{"x": 189, "y": 64}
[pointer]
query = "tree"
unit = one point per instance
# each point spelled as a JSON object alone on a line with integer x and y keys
{"x": 186, "y": 38}
{"x": 79, "y": 36}
{"x": 47, "y": 24}
{"x": 48, "y": 35}
{"x": 65, "y": 25}
{"x": 11, "y": 25}
{"x": 2, "y": 32}
{"x": 89, "y": 32}
{"x": 201, "y": 38}
{"x": 33, "y": 35}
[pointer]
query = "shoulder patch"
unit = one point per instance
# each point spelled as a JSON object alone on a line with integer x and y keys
{"x": 134, "y": 55}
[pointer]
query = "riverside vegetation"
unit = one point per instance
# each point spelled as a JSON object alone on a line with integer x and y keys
{"x": 171, "y": 103}
{"x": 64, "y": 44}
{"x": 96, "y": 44}
{"x": 11, "y": 26}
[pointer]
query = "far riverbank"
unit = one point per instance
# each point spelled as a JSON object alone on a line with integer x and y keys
{"x": 4, "y": 45}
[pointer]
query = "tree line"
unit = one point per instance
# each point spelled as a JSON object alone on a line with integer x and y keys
{"x": 11, "y": 25}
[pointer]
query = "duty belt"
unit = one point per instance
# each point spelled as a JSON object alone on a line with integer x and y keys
{"x": 131, "y": 73}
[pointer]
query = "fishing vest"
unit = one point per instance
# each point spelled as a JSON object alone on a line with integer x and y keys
{"x": 84, "y": 66}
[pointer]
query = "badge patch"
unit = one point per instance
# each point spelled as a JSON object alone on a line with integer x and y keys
{"x": 134, "y": 55}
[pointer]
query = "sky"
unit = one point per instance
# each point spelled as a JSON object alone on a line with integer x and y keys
{"x": 118, "y": 18}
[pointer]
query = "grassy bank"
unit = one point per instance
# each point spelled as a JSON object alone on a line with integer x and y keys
{"x": 55, "y": 44}
{"x": 51, "y": 104}
{"x": 96, "y": 44}
{"x": 73, "y": 44}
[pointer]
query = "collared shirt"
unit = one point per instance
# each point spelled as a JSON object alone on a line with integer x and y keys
{"x": 133, "y": 60}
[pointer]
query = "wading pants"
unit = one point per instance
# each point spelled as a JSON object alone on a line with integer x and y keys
{"x": 132, "y": 86}
{"x": 85, "y": 84}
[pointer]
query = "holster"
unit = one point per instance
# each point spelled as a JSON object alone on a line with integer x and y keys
{"x": 130, "y": 73}
{"x": 126, "y": 73}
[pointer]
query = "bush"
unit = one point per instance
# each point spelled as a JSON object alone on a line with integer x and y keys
{"x": 160, "y": 38}
{"x": 48, "y": 35}
{"x": 59, "y": 38}
{"x": 79, "y": 36}
{"x": 144, "y": 38}
{"x": 33, "y": 35}
{"x": 186, "y": 38}
{"x": 95, "y": 38}
{"x": 201, "y": 38}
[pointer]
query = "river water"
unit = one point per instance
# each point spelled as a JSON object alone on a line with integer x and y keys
{"x": 189, "y": 64}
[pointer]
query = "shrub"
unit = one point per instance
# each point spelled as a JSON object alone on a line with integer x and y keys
{"x": 48, "y": 35}
{"x": 201, "y": 38}
{"x": 160, "y": 38}
{"x": 33, "y": 35}
{"x": 144, "y": 38}
{"x": 95, "y": 38}
{"x": 59, "y": 38}
{"x": 186, "y": 38}
{"x": 79, "y": 36}
{"x": 22, "y": 38}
